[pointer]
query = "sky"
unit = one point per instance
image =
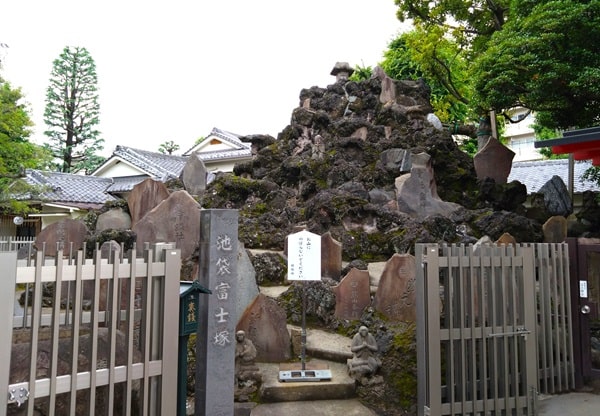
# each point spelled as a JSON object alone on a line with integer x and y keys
{"x": 174, "y": 70}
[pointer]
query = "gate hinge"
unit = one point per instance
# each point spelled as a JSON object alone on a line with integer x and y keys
{"x": 19, "y": 396}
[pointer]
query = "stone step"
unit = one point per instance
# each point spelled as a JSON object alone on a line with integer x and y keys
{"x": 340, "y": 387}
{"x": 321, "y": 344}
{"x": 351, "y": 407}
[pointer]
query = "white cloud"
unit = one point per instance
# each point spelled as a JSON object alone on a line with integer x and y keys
{"x": 173, "y": 71}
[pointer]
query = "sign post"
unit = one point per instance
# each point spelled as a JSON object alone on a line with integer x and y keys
{"x": 304, "y": 264}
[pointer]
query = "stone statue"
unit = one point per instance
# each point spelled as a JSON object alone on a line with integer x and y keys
{"x": 364, "y": 362}
{"x": 245, "y": 354}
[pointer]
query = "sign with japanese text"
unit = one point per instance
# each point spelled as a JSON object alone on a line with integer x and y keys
{"x": 215, "y": 342}
{"x": 304, "y": 256}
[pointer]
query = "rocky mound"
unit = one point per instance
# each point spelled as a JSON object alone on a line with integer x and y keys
{"x": 340, "y": 165}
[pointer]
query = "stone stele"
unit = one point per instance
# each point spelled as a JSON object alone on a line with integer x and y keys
{"x": 416, "y": 192}
{"x": 114, "y": 219}
{"x": 555, "y": 229}
{"x": 506, "y": 239}
{"x": 193, "y": 175}
{"x": 67, "y": 234}
{"x": 395, "y": 296}
{"x": 331, "y": 257}
{"x": 247, "y": 289}
{"x": 176, "y": 219}
{"x": 493, "y": 161}
{"x": 352, "y": 295}
{"x": 144, "y": 197}
{"x": 264, "y": 322}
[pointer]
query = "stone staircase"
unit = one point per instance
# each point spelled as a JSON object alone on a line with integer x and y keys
{"x": 320, "y": 398}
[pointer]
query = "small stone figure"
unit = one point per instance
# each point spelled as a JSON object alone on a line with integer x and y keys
{"x": 364, "y": 363}
{"x": 245, "y": 354}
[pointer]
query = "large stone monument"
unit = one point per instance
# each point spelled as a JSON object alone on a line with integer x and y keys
{"x": 215, "y": 340}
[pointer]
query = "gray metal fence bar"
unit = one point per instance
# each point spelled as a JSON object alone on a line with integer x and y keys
{"x": 8, "y": 264}
{"x": 36, "y": 312}
{"x": 75, "y": 328}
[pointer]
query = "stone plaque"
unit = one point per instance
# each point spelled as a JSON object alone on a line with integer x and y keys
{"x": 215, "y": 340}
{"x": 395, "y": 296}
{"x": 352, "y": 295}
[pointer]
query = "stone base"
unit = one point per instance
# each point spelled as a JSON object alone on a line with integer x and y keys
{"x": 340, "y": 387}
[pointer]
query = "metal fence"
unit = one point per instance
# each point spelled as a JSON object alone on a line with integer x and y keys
{"x": 92, "y": 336}
{"x": 494, "y": 327}
{"x": 11, "y": 243}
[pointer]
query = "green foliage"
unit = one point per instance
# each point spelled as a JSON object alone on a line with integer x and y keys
{"x": 361, "y": 73}
{"x": 17, "y": 153}
{"x": 592, "y": 174}
{"x": 544, "y": 133}
{"x": 438, "y": 61}
{"x": 539, "y": 55}
{"x": 547, "y": 58}
{"x": 168, "y": 147}
{"x": 72, "y": 111}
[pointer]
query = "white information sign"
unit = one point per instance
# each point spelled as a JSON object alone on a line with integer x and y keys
{"x": 583, "y": 289}
{"x": 304, "y": 256}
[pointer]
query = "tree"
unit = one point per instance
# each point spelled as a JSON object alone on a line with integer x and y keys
{"x": 17, "y": 153}
{"x": 168, "y": 147}
{"x": 407, "y": 59}
{"x": 72, "y": 110}
{"x": 546, "y": 59}
{"x": 541, "y": 55}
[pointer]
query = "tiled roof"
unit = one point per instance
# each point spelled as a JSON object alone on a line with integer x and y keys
{"x": 69, "y": 188}
{"x": 535, "y": 174}
{"x": 242, "y": 149}
{"x": 157, "y": 165}
{"x": 125, "y": 183}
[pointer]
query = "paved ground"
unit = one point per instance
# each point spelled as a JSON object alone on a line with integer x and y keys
{"x": 571, "y": 404}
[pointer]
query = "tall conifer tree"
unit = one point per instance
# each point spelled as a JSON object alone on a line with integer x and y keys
{"x": 72, "y": 111}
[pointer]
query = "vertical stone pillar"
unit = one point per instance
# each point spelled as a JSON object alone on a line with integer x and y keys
{"x": 215, "y": 340}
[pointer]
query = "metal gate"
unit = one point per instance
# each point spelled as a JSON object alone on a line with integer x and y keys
{"x": 478, "y": 311}
{"x": 118, "y": 349}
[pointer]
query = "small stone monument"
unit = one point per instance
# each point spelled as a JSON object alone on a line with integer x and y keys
{"x": 364, "y": 362}
{"x": 493, "y": 161}
{"x": 396, "y": 291}
{"x": 555, "y": 229}
{"x": 352, "y": 295}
